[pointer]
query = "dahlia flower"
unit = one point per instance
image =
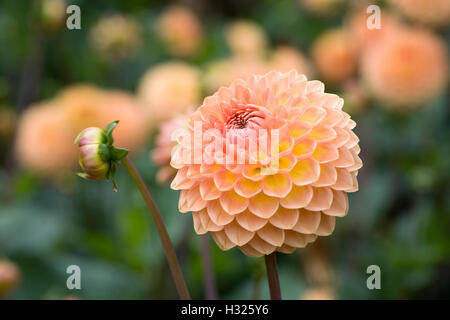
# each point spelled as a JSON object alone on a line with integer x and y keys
{"x": 89, "y": 106}
{"x": 115, "y": 36}
{"x": 246, "y": 38}
{"x": 334, "y": 55}
{"x": 168, "y": 89}
{"x": 266, "y": 163}
{"x": 361, "y": 36}
{"x": 406, "y": 68}
{"x": 43, "y": 141}
{"x": 430, "y": 12}
{"x": 181, "y": 30}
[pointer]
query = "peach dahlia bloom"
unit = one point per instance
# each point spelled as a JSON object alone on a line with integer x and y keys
{"x": 406, "y": 68}
{"x": 273, "y": 201}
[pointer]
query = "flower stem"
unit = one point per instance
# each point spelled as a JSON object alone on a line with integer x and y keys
{"x": 272, "y": 276}
{"x": 167, "y": 244}
{"x": 208, "y": 274}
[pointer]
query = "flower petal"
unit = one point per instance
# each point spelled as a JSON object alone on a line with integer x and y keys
{"x": 305, "y": 172}
{"x": 344, "y": 180}
{"x": 328, "y": 176}
{"x": 339, "y": 207}
{"x": 247, "y": 188}
{"x": 198, "y": 226}
{"x": 313, "y": 115}
{"x": 233, "y": 203}
{"x": 286, "y": 249}
{"x": 191, "y": 200}
{"x": 253, "y": 172}
{"x": 308, "y": 222}
{"x": 321, "y": 200}
{"x": 263, "y": 206}
{"x": 250, "y": 221}
{"x": 181, "y": 181}
{"x": 224, "y": 180}
{"x": 298, "y": 128}
{"x": 326, "y": 226}
{"x": 277, "y": 185}
{"x": 271, "y": 234}
{"x": 208, "y": 190}
{"x": 217, "y": 214}
{"x": 222, "y": 240}
{"x": 299, "y": 197}
{"x": 345, "y": 159}
{"x": 295, "y": 239}
{"x": 250, "y": 251}
{"x": 237, "y": 234}
{"x": 322, "y": 133}
{"x": 206, "y": 221}
{"x": 325, "y": 152}
{"x": 261, "y": 246}
{"x": 304, "y": 148}
{"x": 284, "y": 218}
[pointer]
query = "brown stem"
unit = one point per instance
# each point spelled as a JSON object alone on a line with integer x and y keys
{"x": 167, "y": 244}
{"x": 272, "y": 276}
{"x": 208, "y": 274}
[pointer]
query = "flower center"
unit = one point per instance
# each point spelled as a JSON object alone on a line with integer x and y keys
{"x": 244, "y": 118}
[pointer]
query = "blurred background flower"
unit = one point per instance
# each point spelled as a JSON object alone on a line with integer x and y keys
{"x": 181, "y": 30}
{"x": 120, "y": 65}
{"x": 246, "y": 39}
{"x": 406, "y": 68}
{"x": 335, "y": 56}
{"x": 430, "y": 12}
{"x": 10, "y": 278}
{"x": 169, "y": 88}
{"x": 115, "y": 36}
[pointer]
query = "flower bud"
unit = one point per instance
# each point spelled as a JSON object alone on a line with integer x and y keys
{"x": 98, "y": 157}
{"x": 90, "y": 159}
{"x": 10, "y": 277}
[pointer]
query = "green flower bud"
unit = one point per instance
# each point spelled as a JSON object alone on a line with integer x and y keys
{"x": 98, "y": 157}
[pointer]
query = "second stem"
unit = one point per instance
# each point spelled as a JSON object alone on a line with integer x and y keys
{"x": 167, "y": 244}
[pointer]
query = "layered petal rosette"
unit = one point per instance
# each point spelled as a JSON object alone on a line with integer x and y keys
{"x": 266, "y": 163}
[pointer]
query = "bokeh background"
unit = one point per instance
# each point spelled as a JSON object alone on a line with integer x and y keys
{"x": 145, "y": 62}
